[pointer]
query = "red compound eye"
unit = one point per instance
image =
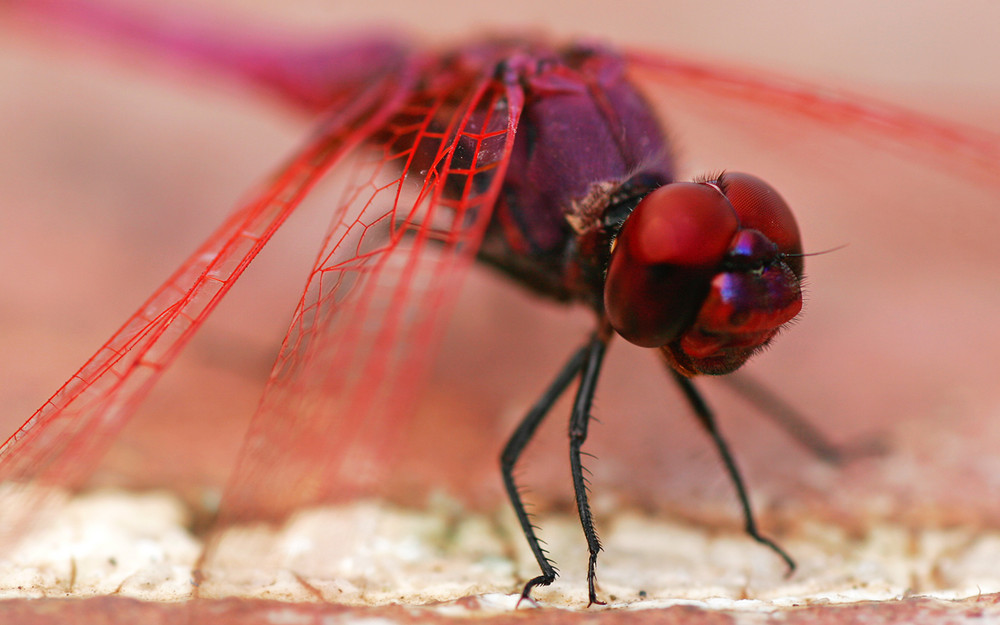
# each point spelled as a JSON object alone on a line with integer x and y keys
{"x": 700, "y": 269}
{"x": 760, "y": 208}
{"x": 664, "y": 258}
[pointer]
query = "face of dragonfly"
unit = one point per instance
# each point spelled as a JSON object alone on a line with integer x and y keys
{"x": 113, "y": 182}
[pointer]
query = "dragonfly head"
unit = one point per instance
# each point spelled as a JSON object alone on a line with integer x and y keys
{"x": 707, "y": 272}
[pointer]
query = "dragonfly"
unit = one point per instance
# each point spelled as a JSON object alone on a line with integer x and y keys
{"x": 456, "y": 156}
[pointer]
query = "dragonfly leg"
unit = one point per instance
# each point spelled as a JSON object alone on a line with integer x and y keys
{"x": 707, "y": 419}
{"x": 512, "y": 451}
{"x": 577, "y": 435}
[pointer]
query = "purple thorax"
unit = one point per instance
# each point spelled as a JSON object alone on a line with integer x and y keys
{"x": 588, "y": 146}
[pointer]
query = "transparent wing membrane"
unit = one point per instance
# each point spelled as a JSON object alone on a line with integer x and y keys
{"x": 62, "y": 441}
{"x": 363, "y": 334}
{"x": 310, "y": 75}
{"x": 973, "y": 151}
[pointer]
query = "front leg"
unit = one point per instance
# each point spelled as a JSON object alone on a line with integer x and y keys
{"x": 577, "y": 435}
{"x": 512, "y": 451}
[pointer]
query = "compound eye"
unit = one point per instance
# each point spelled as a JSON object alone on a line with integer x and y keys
{"x": 664, "y": 259}
{"x": 759, "y": 207}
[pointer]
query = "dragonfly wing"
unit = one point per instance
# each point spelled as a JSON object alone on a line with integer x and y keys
{"x": 62, "y": 441}
{"x": 949, "y": 144}
{"x": 363, "y": 334}
{"x": 309, "y": 75}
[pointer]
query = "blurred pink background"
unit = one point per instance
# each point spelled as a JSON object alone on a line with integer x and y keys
{"x": 112, "y": 170}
